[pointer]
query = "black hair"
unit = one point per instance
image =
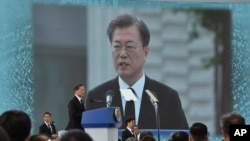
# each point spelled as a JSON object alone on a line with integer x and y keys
{"x": 126, "y": 20}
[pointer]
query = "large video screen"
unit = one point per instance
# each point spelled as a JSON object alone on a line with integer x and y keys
{"x": 199, "y": 49}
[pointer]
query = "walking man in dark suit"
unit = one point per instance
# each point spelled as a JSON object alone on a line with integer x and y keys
{"x": 129, "y": 38}
{"x": 47, "y": 127}
{"x": 128, "y": 131}
{"x": 75, "y": 108}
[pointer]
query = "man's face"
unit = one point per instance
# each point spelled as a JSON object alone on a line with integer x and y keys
{"x": 136, "y": 130}
{"x": 131, "y": 124}
{"x": 47, "y": 118}
{"x": 80, "y": 92}
{"x": 128, "y": 62}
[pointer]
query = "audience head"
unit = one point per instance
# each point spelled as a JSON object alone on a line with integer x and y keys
{"x": 230, "y": 119}
{"x": 3, "y": 135}
{"x": 131, "y": 139}
{"x": 148, "y": 138}
{"x": 75, "y": 135}
{"x": 198, "y": 132}
{"x": 179, "y": 136}
{"x": 130, "y": 121}
{"x": 17, "y": 124}
{"x": 39, "y": 137}
{"x": 145, "y": 133}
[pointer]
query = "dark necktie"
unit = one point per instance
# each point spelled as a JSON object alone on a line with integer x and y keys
{"x": 130, "y": 108}
{"x": 50, "y": 128}
{"x": 82, "y": 103}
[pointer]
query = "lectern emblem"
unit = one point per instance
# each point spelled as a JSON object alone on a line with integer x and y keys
{"x": 117, "y": 114}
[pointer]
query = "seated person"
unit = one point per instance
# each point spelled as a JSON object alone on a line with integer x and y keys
{"x": 179, "y": 136}
{"x": 3, "y": 135}
{"x": 17, "y": 124}
{"x": 148, "y": 138}
{"x": 230, "y": 119}
{"x": 39, "y": 137}
{"x": 75, "y": 135}
{"x": 145, "y": 133}
{"x": 198, "y": 132}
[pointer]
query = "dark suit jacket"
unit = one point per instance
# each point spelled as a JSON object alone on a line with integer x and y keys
{"x": 75, "y": 109}
{"x": 170, "y": 109}
{"x": 44, "y": 129}
{"x": 126, "y": 134}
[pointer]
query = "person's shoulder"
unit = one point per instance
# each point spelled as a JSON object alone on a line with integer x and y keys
{"x": 125, "y": 130}
{"x": 104, "y": 86}
{"x": 161, "y": 86}
{"x": 73, "y": 100}
{"x": 42, "y": 125}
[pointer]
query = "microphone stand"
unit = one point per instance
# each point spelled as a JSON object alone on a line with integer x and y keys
{"x": 157, "y": 119}
{"x": 155, "y": 101}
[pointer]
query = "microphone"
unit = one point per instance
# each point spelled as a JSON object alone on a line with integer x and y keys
{"x": 96, "y": 100}
{"x": 152, "y": 97}
{"x": 53, "y": 122}
{"x": 109, "y": 97}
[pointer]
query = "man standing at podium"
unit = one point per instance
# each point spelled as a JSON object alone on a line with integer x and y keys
{"x": 129, "y": 38}
{"x": 75, "y": 108}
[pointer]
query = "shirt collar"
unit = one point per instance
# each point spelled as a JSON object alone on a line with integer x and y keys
{"x": 129, "y": 129}
{"x": 138, "y": 85}
{"x": 78, "y": 97}
{"x": 46, "y": 123}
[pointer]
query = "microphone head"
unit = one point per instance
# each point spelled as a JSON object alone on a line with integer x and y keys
{"x": 152, "y": 96}
{"x": 109, "y": 97}
{"x": 109, "y": 92}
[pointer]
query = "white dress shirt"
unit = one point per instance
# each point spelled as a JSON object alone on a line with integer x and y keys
{"x": 138, "y": 88}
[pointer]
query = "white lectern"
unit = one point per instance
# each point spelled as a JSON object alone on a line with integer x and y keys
{"x": 102, "y": 124}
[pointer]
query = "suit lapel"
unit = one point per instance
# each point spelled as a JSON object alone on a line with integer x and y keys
{"x": 147, "y": 109}
{"x": 117, "y": 96}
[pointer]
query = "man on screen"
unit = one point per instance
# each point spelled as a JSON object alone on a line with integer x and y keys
{"x": 129, "y": 38}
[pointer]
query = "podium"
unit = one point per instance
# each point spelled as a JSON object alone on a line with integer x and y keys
{"x": 102, "y": 124}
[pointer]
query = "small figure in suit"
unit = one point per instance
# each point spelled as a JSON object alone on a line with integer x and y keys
{"x": 137, "y": 131}
{"x": 128, "y": 131}
{"x": 47, "y": 127}
{"x": 76, "y": 107}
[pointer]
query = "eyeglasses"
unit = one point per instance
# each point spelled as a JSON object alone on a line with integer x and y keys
{"x": 118, "y": 48}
